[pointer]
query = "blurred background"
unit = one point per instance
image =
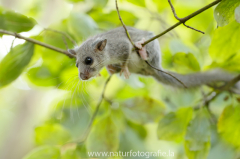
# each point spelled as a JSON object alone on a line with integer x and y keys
{"x": 44, "y": 106}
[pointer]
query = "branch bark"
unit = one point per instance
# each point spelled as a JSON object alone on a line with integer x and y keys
{"x": 183, "y": 20}
{"x": 19, "y": 36}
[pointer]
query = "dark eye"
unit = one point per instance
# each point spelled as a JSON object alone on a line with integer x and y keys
{"x": 88, "y": 61}
{"x": 76, "y": 64}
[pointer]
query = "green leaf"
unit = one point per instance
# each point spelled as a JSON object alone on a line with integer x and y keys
{"x": 172, "y": 127}
{"x": 225, "y": 42}
{"x": 100, "y": 3}
{"x": 224, "y": 12}
{"x": 75, "y": 1}
{"x": 49, "y": 152}
{"x": 143, "y": 110}
{"x": 140, "y": 3}
{"x": 198, "y": 137}
{"x": 187, "y": 61}
{"x": 110, "y": 20}
{"x": 52, "y": 134}
{"x": 229, "y": 125}
{"x": 70, "y": 154}
{"x": 161, "y": 5}
{"x": 81, "y": 26}
{"x": 103, "y": 136}
{"x": 14, "y": 63}
{"x": 237, "y": 14}
{"x": 15, "y": 22}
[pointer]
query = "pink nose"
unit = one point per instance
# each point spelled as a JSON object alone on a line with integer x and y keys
{"x": 84, "y": 76}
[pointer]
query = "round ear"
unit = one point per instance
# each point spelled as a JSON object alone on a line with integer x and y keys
{"x": 101, "y": 45}
{"x": 71, "y": 51}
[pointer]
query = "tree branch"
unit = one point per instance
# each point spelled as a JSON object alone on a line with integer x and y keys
{"x": 37, "y": 42}
{"x": 183, "y": 20}
{"x": 124, "y": 26}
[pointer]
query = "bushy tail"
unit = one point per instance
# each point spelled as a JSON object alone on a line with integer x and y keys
{"x": 194, "y": 79}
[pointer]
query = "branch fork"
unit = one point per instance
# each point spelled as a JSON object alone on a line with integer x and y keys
{"x": 182, "y": 20}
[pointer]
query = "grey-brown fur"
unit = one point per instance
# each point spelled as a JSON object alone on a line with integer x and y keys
{"x": 119, "y": 49}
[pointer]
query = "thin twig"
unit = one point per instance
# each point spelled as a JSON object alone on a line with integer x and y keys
{"x": 37, "y": 42}
{"x": 193, "y": 28}
{"x": 124, "y": 26}
{"x": 65, "y": 42}
{"x": 183, "y": 21}
{"x": 95, "y": 112}
{"x": 212, "y": 95}
{"x": 12, "y": 44}
{"x": 230, "y": 84}
{"x": 174, "y": 12}
{"x": 167, "y": 74}
{"x": 64, "y": 34}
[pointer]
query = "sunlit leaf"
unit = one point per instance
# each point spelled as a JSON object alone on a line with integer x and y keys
{"x": 197, "y": 140}
{"x": 75, "y": 1}
{"x": 161, "y": 5}
{"x": 138, "y": 2}
{"x": 225, "y": 42}
{"x": 224, "y": 12}
{"x": 14, "y": 63}
{"x": 103, "y": 136}
{"x": 143, "y": 110}
{"x": 188, "y": 61}
{"x": 173, "y": 126}
{"x": 49, "y": 152}
{"x": 52, "y": 134}
{"x": 15, "y": 22}
{"x": 229, "y": 125}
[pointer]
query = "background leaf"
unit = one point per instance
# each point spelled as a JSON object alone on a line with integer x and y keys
{"x": 197, "y": 140}
{"x": 229, "y": 123}
{"x": 103, "y": 137}
{"x": 225, "y": 42}
{"x": 143, "y": 110}
{"x": 237, "y": 14}
{"x": 15, "y": 22}
{"x": 14, "y": 63}
{"x": 224, "y": 12}
{"x": 138, "y": 2}
{"x": 172, "y": 127}
{"x": 81, "y": 26}
{"x": 50, "y": 152}
{"x": 52, "y": 134}
{"x": 186, "y": 61}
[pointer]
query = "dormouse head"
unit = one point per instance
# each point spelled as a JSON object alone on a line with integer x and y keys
{"x": 91, "y": 56}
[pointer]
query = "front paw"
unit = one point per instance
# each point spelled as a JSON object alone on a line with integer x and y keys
{"x": 113, "y": 69}
{"x": 142, "y": 50}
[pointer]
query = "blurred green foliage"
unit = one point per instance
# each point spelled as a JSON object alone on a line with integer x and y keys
{"x": 142, "y": 115}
